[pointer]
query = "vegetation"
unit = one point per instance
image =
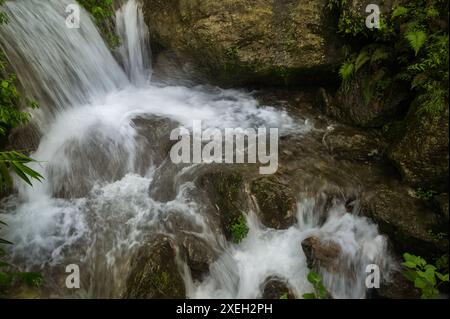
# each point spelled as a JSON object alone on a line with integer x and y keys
{"x": 320, "y": 292}
{"x": 103, "y": 13}
{"x": 239, "y": 229}
{"x": 411, "y": 46}
{"x": 12, "y": 116}
{"x": 425, "y": 276}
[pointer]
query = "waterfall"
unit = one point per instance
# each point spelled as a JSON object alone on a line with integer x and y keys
{"x": 135, "y": 47}
{"x": 103, "y": 151}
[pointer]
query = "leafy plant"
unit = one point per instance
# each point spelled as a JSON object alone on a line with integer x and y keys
{"x": 423, "y": 275}
{"x": 103, "y": 13}
{"x": 416, "y": 39}
{"x": 239, "y": 229}
{"x": 320, "y": 292}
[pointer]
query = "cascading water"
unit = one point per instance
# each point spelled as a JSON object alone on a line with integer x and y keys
{"x": 100, "y": 157}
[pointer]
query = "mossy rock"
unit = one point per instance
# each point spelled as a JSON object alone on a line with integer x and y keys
{"x": 236, "y": 42}
{"x": 276, "y": 203}
{"x": 421, "y": 151}
{"x": 407, "y": 221}
{"x": 226, "y": 190}
{"x": 154, "y": 272}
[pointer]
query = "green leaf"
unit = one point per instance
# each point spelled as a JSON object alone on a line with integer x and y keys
{"x": 442, "y": 277}
{"x": 416, "y": 40}
{"x": 420, "y": 283}
{"x": 399, "y": 11}
{"x": 362, "y": 59}
{"x": 313, "y": 278}
{"x": 309, "y": 296}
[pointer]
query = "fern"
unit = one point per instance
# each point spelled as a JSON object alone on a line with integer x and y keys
{"x": 362, "y": 59}
{"x": 346, "y": 72}
{"x": 380, "y": 54}
{"x": 398, "y": 12}
{"x": 416, "y": 39}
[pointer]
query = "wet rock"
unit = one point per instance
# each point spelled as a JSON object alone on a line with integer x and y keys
{"x": 397, "y": 288}
{"x": 276, "y": 203}
{"x": 199, "y": 256}
{"x": 407, "y": 221}
{"x": 246, "y": 42}
{"x": 348, "y": 144}
{"x": 322, "y": 254}
{"x": 351, "y": 107}
{"x": 154, "y": 272}
{"x": 226, "y": 191}
{"x": 276, "y": 288}
{"x": 421, "y": 151}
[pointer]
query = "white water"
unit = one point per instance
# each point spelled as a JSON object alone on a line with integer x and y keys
{"x": 94, "y": 206}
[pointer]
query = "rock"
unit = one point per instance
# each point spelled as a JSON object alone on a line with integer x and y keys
{"x": 249, "y": 41}
{"x": 421, "y": 151}
{"x": 407, "y": 221}
{"x": 322, "y": 254}
{"x": 349, "y": 106}
{"x": 154, "y": 272}
{"x": 442, "y": 202}
{"x": 226, "y": 191}
{"x": 352, "y": 145}
{"x": 276, "y": 288}
{"x": 276, "y": 203}
{"x": 397, "y": 288}
{"x": 199, "y": 256}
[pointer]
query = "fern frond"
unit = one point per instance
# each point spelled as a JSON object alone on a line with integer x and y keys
{"x": 416, "y": 39}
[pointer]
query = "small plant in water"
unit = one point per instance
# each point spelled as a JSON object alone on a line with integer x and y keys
{"x": 423, "y": 275}
{"x": 320, "y": 292}
{"x": 239, "y": 229}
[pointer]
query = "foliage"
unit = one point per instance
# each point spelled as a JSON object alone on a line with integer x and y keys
{"x": 103, "y": 13}
{"x": 239, "y": 229}
{"x": 411, "y": 46}
{"x": 12, "y": 116}
{"x": 284, "y": 296}
{"x": 424, "y": 276}
{"x": 424, "y": 194}
{"x": 320, "y": 292}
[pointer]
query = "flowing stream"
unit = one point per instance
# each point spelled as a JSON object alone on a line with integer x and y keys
{"x": 102, "y": 159}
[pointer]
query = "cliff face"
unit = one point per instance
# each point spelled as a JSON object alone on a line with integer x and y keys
{"x": 249, "y": 41}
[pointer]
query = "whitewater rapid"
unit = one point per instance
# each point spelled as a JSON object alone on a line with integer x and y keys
{"x": 94, "y": 207}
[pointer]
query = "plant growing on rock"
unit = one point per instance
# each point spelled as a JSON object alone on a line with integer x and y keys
{"x": 103, "y": 14}
{"x": 239, "y": 229}
{"x": 424, "y": 276}
{"x": 320, "y": 292}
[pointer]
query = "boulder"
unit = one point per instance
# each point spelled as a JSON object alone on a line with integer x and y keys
{"x": 154, "y": 272}
{"x": 199, "y": 255}
{"x": 226, "y": 191}
{"x": 322, "y": 254}
{"x": 277, "y": 205}
{"x": 407, "y": 221}
{"x": 276, "y": 288}
{"x": 248, "y": 41}
{"x": 421, "y": 150}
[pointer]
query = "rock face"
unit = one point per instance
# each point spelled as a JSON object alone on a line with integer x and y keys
{"x": 421, "y": 151}
{"x": 276, "y": 203}
{"x": 199, "y": 256}
{"x": 351, "y": 145}
{"x": 406, "y": 220}
{"x": 239, "y": 42}
{"x": 350, "y": 107}
{"x": 154, "y": 273}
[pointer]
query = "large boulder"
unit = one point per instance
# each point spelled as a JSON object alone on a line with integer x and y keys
{"x": 237, "y": 42}
{"x": 407, "y": 221}
{"x": 421, "y": 151}
{"x": 154, "y": 272}
{"x": 322, "y": 254}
